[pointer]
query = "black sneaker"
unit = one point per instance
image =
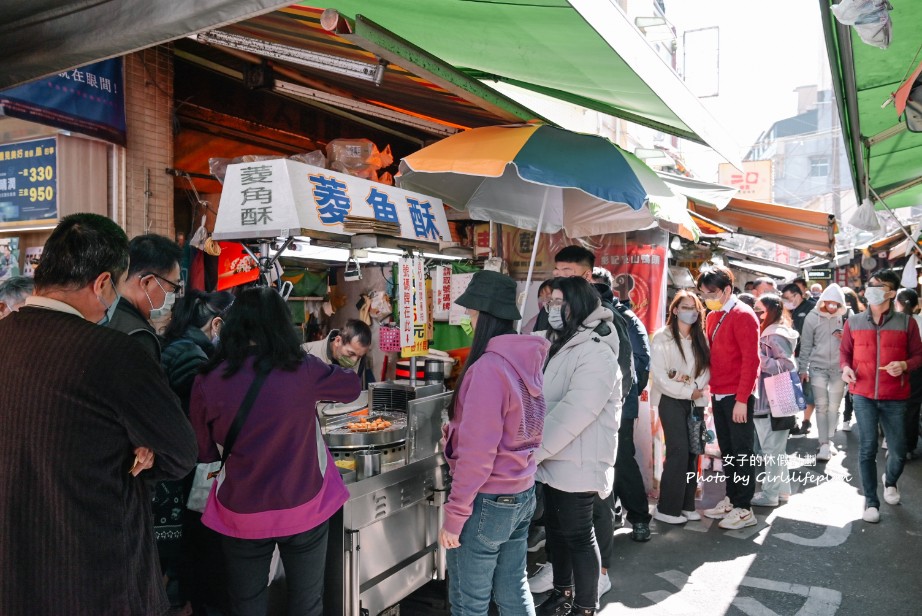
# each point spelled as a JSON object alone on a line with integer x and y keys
{"x": 641, "y": 532}
{"x": 802, "y": 430}
{"x": 536, "y": 538}
{"x": 619, "y": 517}
{"x": 558, "y": 603}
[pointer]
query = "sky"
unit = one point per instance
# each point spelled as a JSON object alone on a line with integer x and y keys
{"x": 767, "y": 49}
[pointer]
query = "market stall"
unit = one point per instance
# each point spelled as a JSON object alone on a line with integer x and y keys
{"x": 382, "y": 545}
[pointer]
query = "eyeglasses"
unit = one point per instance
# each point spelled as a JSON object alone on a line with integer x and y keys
{"x": 178, "y": 287}
{"x": 555, "y": 302}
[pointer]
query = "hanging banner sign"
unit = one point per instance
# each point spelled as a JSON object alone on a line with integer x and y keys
{"x": 441, "y": 287}
{"x": 639, "y": 273}
{"x": 405, "y": 300}
{"x": 459, "y": 283}
{"x": 413, "y": 310}
{"x": 88, "y": 100}
{"x": 283, "y": 197}
{"x": 28, "y": 182}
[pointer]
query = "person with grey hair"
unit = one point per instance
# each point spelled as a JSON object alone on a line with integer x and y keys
{"x": 603, "y": 276}
{"x": 13, "y": 294}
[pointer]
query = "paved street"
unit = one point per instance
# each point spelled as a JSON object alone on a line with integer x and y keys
{"x": 811, "y": 557}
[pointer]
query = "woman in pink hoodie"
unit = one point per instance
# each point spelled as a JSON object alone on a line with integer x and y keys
{"x": 495, "y": 426}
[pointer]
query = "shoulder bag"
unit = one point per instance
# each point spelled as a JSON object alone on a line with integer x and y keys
{"x": 205, "y": 473}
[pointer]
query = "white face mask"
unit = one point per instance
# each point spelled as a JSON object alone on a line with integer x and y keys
{"x": 876, "y": 295}
{"x": 554, "y": 317}
{"x": 688, "y": 317}
{"x": 788, "y": 305}
{"x": 166, "y": 309}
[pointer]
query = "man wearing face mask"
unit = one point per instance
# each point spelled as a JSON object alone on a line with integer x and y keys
{"x": 149, "y": 291}
{"x": 733, "y": 334}
{"x": 346, "y": 347}
{"x": 85, "y": 429}
{"x": 879, "y": 348}
{"x": 799, "y": 306}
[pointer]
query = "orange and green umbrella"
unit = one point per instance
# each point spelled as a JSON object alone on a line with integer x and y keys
{"x": 540, "y": 177}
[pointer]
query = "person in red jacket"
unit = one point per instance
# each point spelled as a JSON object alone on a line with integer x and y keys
{"x": 879, "y": 349}
{"x": 733, "y": 333}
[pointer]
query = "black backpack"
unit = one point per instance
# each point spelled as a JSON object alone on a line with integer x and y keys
{"x": 625, "y": 352}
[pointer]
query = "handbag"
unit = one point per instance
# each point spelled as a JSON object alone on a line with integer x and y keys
{"x": 785, "y": 394}
{"x": 783, "y": 423}
{"x": 207, "y": 472}
{"x": 697, "y": 435}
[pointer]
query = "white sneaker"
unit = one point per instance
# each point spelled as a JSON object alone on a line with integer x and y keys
{"x": 824, "y": 454}
{"x": 669, "y": 519}
{"x": 891, "y": 494}
{"x": 604, "y": 584}
{"x": 720, "y": 510}
{"x": 691, "y": 516}
{"x": 846, "y": 426}
{"x": 760, "y": 500}
{"x": 872, "y": 515}
{"x": 738, "y": 518}
{"x": 542, "y": 580}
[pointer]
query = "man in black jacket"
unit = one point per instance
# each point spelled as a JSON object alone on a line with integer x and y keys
{"x": 85, "y": 428}
{"x": 148, "y": 292}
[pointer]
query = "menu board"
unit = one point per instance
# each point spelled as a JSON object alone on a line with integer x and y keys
{"x": 28, "y": 182}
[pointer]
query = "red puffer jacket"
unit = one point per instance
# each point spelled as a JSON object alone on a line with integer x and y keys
{"x": 867, "y": 346}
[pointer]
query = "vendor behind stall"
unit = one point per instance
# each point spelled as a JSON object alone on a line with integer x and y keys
{"x": 346, "y": 347}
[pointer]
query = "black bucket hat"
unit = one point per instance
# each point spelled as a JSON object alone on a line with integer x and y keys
{"x": 493, "y": 293}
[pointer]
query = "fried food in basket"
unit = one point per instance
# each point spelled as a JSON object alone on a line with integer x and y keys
{"x": 364, "y": 425}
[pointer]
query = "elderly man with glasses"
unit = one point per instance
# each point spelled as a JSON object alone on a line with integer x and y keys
{"x": 148, "y": 291}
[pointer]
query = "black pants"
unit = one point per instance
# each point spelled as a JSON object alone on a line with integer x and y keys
{"x": 304, "y": 558}
{"x": 628, "y": 480}
{"x": 603, "y": 522}
{"x": 677, "y": 488}
{"x": 574, "y": 552}
{"x": 735, "y": 441}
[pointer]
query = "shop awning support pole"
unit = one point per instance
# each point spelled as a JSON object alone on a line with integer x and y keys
{"x": 531, "y": 263}
{"x": 912, "y": 240}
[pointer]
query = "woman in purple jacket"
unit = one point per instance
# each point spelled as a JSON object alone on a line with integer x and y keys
{"x": 279, "y": 485}
{"x": 495, "y": 425}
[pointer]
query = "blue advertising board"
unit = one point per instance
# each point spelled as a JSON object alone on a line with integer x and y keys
{"x": 88, "y": 100}
{"x": 28, "y": 182}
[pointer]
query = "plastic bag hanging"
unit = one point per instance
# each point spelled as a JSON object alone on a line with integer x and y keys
{"x": 865, "y": 217}
{"x": 869, "y": 18}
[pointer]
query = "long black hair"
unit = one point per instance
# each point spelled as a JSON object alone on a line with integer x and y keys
{"x": 196, "y": 309}
{"x": 488, "y": 327}
{"x": 258, "y": 323}
{"x": 700, "y": 349}
{"x": 580, "y": 300}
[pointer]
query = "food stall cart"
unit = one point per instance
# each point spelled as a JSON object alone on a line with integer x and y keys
{"x": 383, "y": 544}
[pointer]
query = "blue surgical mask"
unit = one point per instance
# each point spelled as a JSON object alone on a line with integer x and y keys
{"x": 555, "y": 317}
{"x": 110, "y": 310}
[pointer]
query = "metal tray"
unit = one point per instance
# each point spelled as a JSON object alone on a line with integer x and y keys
{"x": 337, "y": 435}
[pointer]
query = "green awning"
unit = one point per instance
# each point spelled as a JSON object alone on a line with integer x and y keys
{"x": 585, "y": 52}
{"x": 880, "y": 149}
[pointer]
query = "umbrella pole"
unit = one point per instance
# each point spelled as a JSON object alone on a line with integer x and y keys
{"x": 531, "y": 263}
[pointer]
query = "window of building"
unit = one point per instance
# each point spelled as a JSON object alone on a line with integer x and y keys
{"x": 819, "y": 166}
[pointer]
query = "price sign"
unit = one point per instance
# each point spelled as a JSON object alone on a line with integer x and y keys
{"x": 28, "y": 182}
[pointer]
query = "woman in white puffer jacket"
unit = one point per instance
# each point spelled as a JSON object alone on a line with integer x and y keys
{"x": 582, "y": 389}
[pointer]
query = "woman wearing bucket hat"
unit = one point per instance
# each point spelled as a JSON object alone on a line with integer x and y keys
{"x": 577, "y": 456}
{"x": 495, "y": 426}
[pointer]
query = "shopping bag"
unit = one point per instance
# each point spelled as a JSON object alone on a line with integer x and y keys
{"x": 712, "y": 447}
{"x": 201, "y": 485}
{"x": 785, "y": 394}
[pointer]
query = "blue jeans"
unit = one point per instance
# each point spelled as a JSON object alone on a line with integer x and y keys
{"x": 889, "y": 413}
{"x": 491, "y": 558}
